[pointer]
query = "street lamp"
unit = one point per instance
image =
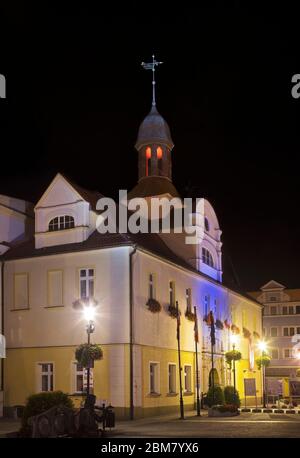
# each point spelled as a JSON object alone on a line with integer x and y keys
{"x": 262, "y": 345}
{"x": 89, "y": 315}
{"x": 234, "y": 340}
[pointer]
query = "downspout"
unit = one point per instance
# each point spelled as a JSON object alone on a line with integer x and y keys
{"x": 2, "y": 323}
{"x": 131, "y": 392}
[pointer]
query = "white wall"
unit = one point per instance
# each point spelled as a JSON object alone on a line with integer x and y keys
{"x": 41, "y": 326}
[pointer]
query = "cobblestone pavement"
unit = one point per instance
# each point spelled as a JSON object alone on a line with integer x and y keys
{"x": 245, "y": 425}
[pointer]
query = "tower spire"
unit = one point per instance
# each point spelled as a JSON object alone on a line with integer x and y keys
{"x": 151, "y": 66}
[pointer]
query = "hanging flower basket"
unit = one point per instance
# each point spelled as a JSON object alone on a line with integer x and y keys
{"x": 219, "y": 324}
{"x": 263, "y": 361}
{"x": 86, "y": 354}
{"x": 246, "y": 333}
{"x": 153, "y": 305}
{"x": 235, "y": 329}
{"x": 256, "y": 335}
{"x": 227, "y": 324}
{"x": 190, "y": 315}
{"x": 173, "y": 311}
{"x": 232, "y": 355}
{"x": 205, "y": 319}
{"x": 79, "y": 304}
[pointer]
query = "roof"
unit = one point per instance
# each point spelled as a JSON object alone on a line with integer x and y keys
{"x": 154, "y": 129}
{"x": 153, "y": 186}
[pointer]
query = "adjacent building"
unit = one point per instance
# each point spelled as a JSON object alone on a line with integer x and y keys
{"x": 281, "y": 327}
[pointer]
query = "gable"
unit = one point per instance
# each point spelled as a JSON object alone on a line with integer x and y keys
{"x": 272, "y": 285}
{"x": 59, "y": 192}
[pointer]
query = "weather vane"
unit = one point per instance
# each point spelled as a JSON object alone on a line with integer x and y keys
{"x": 151, "y": 66}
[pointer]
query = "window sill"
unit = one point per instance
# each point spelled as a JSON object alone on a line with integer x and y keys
{"x": 154, "y": 395}
{"x": 188, "y": 393}
{"x": 172, "y": 395}
{"x": 53, "y": 306}
{"x": 20, "y": 310}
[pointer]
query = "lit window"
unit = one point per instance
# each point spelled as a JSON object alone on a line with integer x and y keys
{"x": 206, "y": 223}
{"x": 86, "y": 283}
{"x": 78, "y": 378}
{"x": 207, "y": 257}
{"x": 188, "y": 295}
{"x": 61, "y": 222}
{"x": 159, "y": 154}
{"x": 187, "y": 379}
{"x": 148, "y": 161}
{"x": 288, "y": 353}
{"x": 172, "y": 378}
{"x": 154, "y": 378}
{"x": 172, "y": 293}
{"x": 45, "y": 376}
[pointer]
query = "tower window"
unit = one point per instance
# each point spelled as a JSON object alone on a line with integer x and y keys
{"x": 61, "y": 222}
{"x": 148, "y": 161}
{"x": 159, "y": 153}
{"x": 207, "y": 257}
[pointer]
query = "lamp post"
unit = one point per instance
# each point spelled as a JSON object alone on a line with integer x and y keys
{"x": 263, "y": 348}
{"x": 234, "y": 341}
{"x": 89, "y": 314}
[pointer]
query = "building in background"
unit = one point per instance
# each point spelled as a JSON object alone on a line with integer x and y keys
{"x": 281, "y": 324}
{"x": 16, "y": 225}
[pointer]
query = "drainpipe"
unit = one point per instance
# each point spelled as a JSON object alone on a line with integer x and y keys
{"x": 2, "y": 323}
{"x": 131, "y": 392}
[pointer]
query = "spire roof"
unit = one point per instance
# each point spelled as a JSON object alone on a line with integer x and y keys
{"x": 154, "y": 129}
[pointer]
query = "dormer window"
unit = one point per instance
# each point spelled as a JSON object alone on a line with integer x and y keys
{"x": 207, "y": 257}
{"x": 61, "y": 222}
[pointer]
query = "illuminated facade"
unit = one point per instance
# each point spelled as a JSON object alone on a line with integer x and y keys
{"x": 281, "y": 324}
{"x": 67, "y": 259}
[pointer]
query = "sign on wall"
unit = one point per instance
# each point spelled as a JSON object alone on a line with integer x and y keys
{"x": 250, "y": 386}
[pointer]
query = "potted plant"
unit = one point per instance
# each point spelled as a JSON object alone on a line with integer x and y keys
{"x": 263, "y": 361}
{"x": 219, "y": 324}
{"x": 235, "y": 329}
{"x": 256, "y": 335}
{"x": 86, "y": 354}
{"x": 173, "y": 311}
{"x": 246, "y": 333}
{"x": 232, "y": 355}
{"x": 190, "y": 315}
{"x": 153, "y": 305}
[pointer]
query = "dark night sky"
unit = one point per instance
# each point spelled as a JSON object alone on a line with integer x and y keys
{"x": 77, "y": 93}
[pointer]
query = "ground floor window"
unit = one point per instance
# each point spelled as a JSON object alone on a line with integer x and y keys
{"x": 78, "y": 378}
{"x": 172, "y": 378}
{"x": 154, "y": 378}
{"x": 187, "y": 378}
{"x": 45, "y": 381}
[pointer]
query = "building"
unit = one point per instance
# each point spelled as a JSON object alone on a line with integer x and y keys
{"x": 67, "y": 260}
{"x": 281, "y": 324}
{"x": 16, "y": 225}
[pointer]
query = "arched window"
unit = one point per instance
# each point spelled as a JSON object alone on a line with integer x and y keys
{"x": 207, "y": 257}
{"x": 61, "y": 222}
{"x": 159, "y": 154}
{"x": 148, "y": 161}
